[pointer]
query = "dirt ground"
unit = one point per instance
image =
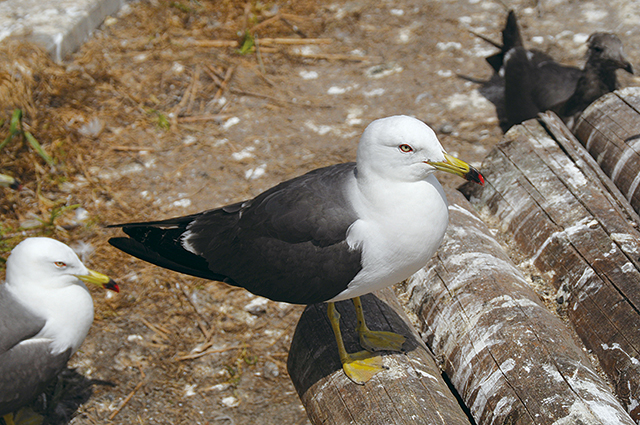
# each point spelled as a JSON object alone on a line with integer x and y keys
{"x": 152, "y": 119}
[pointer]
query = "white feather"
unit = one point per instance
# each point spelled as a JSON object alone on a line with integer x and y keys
{"x": 401, "y": 206}
{"x": 51, "y": 291}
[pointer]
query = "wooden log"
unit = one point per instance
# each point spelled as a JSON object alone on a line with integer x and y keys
{"x": 577, "y": 237}
{"x": 511, "y": 359}
{"x": 410, "y": 391}
{"x": 610, "y": 130}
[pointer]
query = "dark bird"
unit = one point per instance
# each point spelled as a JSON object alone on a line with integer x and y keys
{"x": 598, "y": 77}
{"x": 511, "y": 38}
{"x": 332, "y": 234}
{"x": 493, "y": 88}
{"x": 46, "y": 311}
{"x": 527, "y": 82}
{"x": 534, "y": 85}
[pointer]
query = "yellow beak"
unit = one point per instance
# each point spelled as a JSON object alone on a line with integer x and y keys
{"x": 458, "y": 167}
{"x": 9, "y": 181}
{"x": 100, "y": 280}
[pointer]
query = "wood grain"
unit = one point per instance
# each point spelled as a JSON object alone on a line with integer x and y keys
{"x": 510, "y": 358}
{"x": 410, "y": 391}
{"x": 610, "y": 130}
{"x": 567, "y": 226}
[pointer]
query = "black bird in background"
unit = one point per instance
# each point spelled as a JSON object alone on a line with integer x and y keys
{"x": 598, "y": 77}
{"x": 527, "y": 82}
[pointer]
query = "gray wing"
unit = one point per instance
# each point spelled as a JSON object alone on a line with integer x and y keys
{"x": 535, "y": 83}
{"x": 16, "y": 322}
{"x": 554, "y": 84}
{"x": 287, "y": 244}
{"x": 25, "y": 372}
{"x": 25, "y": 367}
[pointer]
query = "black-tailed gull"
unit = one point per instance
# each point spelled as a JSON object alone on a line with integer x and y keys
{"x": 332, "y": 234}
{"x": 45, "y": 313}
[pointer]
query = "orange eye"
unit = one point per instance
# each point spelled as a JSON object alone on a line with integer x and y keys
{"x": 405, "y": 148}
{"x": 60, "y": 264}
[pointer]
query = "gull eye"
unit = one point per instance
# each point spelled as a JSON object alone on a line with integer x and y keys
{"x": 60, "y": 264}
{"x": 405, "y": 148}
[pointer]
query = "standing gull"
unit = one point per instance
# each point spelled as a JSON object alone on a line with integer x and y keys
{"x": 332, "y": 234}
{"x": 45, "y": 313}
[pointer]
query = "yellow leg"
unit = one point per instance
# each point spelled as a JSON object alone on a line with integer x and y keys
{"x": 375, "y": 340}
{"x": 359, "y": 367}
{"x": 24, "y": 416}
{"x": 8, "y": 419}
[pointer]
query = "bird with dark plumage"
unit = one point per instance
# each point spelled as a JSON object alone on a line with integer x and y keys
{"x": 46, "y": 311}
{"x": 598, "y": 77}
{"x": 332, "y": 234}
{"x": 528, "y": 81}
{"x": 536, "y": 84}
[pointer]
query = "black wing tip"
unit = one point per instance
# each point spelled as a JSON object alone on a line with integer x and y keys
{"x": 194, "y": 266}
{"x": 512, "y": 19}
{"x": 629, "y": 68}
{"x": 118, "y": 242}
{"x": 130, "y": 246}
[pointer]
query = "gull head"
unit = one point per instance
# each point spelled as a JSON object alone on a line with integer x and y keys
{"x": 402, "y": 148}
{"x": 47, "y": 263}
{"x": 606, "y": 50}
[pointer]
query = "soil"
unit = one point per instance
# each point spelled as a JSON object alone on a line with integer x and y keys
{"x": 148, "y": 121}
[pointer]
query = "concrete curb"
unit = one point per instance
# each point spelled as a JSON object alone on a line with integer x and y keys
{"x": 60, "y": 26}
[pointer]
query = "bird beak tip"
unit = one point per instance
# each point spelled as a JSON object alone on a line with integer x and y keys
{"x": 475, "y": 176}
{"x": 100, "y": 280}
{"x": 458, "y": 167}
{"x": 112, "y": 286}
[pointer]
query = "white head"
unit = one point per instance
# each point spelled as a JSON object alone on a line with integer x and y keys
{"x": 44, "y": 261}
{"x": 403, "y": 148}
{"x": 48, "y": 263}
{"x": 48, "y": 278}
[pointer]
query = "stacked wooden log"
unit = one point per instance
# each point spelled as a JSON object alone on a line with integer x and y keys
{"x": 568, "y": 354}
{"x": 411, "y": 391}
{"x": 511, "y": 359}
{"x": 610, "y": 130}
{"x": 570, "y": 229}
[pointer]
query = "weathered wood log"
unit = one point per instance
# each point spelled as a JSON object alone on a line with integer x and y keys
{"x": 565, "y": 225}
{"x": 411, "y": 391}
{"x": 511, "y": 359}
{"x": 587, "y": 164}
{"x": 610, "y": 130}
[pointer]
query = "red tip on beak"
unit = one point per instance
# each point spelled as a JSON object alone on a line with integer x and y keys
{"x": 475, "y": 176}
{"x": 111, "y": 285}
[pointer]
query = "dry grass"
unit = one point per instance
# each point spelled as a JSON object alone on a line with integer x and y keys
{"x": 135, "y": 88}
{"x": 121, "y": 85}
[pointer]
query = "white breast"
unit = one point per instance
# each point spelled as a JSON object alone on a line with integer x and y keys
{"x": 399, "y": 230}
{"x": 68, "y": 313}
